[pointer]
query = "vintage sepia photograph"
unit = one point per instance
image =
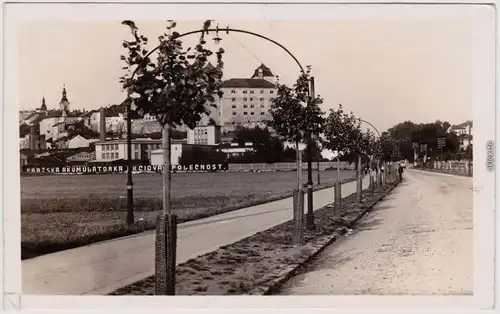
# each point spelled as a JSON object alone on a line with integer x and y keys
{"x": 222, "y": 156}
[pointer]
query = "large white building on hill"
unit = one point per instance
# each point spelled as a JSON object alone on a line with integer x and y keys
{"x": 245, "y": 102}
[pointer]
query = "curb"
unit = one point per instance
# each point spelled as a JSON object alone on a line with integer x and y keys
{"x": 278, "y": 283}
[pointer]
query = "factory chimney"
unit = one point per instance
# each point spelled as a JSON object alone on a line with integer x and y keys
{"x": 102, "y": 125}
{"x": 32, "y": 138}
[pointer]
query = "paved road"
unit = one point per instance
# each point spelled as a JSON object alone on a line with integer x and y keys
{"x": 103, "y": 267}
{"x": 417, "y": 241}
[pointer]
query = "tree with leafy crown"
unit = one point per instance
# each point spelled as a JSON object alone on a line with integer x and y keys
{"x": 176, "y": 88}
{"x": 295, "y": 114}
{"x": 337, "y": 131}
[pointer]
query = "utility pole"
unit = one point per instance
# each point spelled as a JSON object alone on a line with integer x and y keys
{"x": 130, "y": 184}
{"x": 310, "y": 213}
{"x": 317, "y": 164}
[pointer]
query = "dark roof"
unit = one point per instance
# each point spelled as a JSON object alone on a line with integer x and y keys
{"x": 462, "y": 125}
{"x": 248, "y": 83}
{"x": 265, "y": 71}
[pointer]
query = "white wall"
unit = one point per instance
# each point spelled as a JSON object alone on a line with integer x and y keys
{"x": 261, "y": 101}
{"x": 78, "y": 141}
{"x": 175, "y": 154}
{"x": 46, "y": 126}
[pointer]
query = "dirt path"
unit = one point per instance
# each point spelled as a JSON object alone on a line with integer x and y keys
{"x": 417, "y": 241}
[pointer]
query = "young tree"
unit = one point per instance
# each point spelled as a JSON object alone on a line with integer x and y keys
{"x": 361, "y": 144}
{"x": 176, "y": 88}
{"x": 337, "y": 132}
{"x": 296, "y": 116}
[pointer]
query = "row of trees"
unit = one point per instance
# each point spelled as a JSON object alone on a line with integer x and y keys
{"x": 176, "y": 87}
{"x": 407, "y": 133}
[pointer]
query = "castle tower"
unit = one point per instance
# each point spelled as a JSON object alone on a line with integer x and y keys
{"x": 263, "y": 72}
{"x": 64, "y": 103}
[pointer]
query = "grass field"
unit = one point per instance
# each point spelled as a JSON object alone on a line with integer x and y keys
{"x": 62, "y": 212}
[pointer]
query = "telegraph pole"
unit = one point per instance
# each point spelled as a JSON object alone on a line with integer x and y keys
{"x": 130, "y": 184}
{"x": 310, "y": 213}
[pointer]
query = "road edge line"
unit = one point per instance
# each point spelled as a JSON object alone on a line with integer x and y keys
{"x": 279, "y": 282}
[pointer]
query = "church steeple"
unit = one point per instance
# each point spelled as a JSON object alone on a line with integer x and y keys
{"x": 64, "y": 103}
{"x": 64, "y": 96}
{"x": 44, "y": 106}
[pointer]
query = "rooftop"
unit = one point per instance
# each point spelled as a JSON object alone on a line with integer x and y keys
{"x": 247, "y": 83}
{"x": 266, "y": 72}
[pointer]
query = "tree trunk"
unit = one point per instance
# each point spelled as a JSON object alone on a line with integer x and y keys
{"x": 338, "y": 167}
{"x": 299, "y": 166}
{"x": 359, "y": 185}
{"x": 167, "y": 182}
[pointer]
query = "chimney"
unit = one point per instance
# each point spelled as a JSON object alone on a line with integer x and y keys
{"x": 102, "y": 125}
{"x": 32, "y": 139}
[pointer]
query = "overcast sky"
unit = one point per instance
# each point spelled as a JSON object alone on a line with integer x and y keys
{"x": 385, "y": 71}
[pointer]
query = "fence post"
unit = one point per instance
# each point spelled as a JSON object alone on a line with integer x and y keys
{"x": 338, "y": 198}
{"x": 165, "y": 254}
{"x": 298, "y": 216}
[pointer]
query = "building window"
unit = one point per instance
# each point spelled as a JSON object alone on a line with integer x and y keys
{"x": 262, "y": 106}
{"x": 234, "y": 99}
{"x": 251, "y": 92}
{"x": 271, "y": 92}
{"x": 234, "y": 113}
{"x": 116, "y": 146}
{"x": 107, "y": 155}
{"x": 234, "y": 106}
{"x": 251, "y": 99}
{"x": 244, "y": 92}
{"x": 262, "y": 99}
{"x": 252, "y": 106}
{"x": 233, "y": 92}
{"x": 251, "y": 113}
{"x": 245, "y": 106}
{"x": 103, "y": 155}
{"x": 262, "y": 113}
{"x": 262, "y": 91}
{"x": 244, "y": 99}
{"x": 245, "y": 113}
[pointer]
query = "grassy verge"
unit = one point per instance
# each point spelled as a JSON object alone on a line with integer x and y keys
{"x": 52, "y": 225}
{"x": 257, "y": 263}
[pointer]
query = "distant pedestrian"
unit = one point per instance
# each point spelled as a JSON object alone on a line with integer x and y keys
{"x": 400, "y": 171}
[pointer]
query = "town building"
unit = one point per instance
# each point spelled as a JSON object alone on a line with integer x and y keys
{"x": 235, "y": 149}
{"x": 464, "y": 133}
{"x": 246, "y": 101}
{"x": 205, "y": 135}
{"x": 176, "y": 152}
{"x": 23, "y": 159}
{"x": 75, "y": 141}
{"x": 54, "y": 124}
{"x": 117, "y": 149}
{"x": 81, "y": 157}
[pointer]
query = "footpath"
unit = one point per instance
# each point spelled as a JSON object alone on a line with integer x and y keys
{"x": 418, "y": 241}
{"x": 103, "y": 267}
